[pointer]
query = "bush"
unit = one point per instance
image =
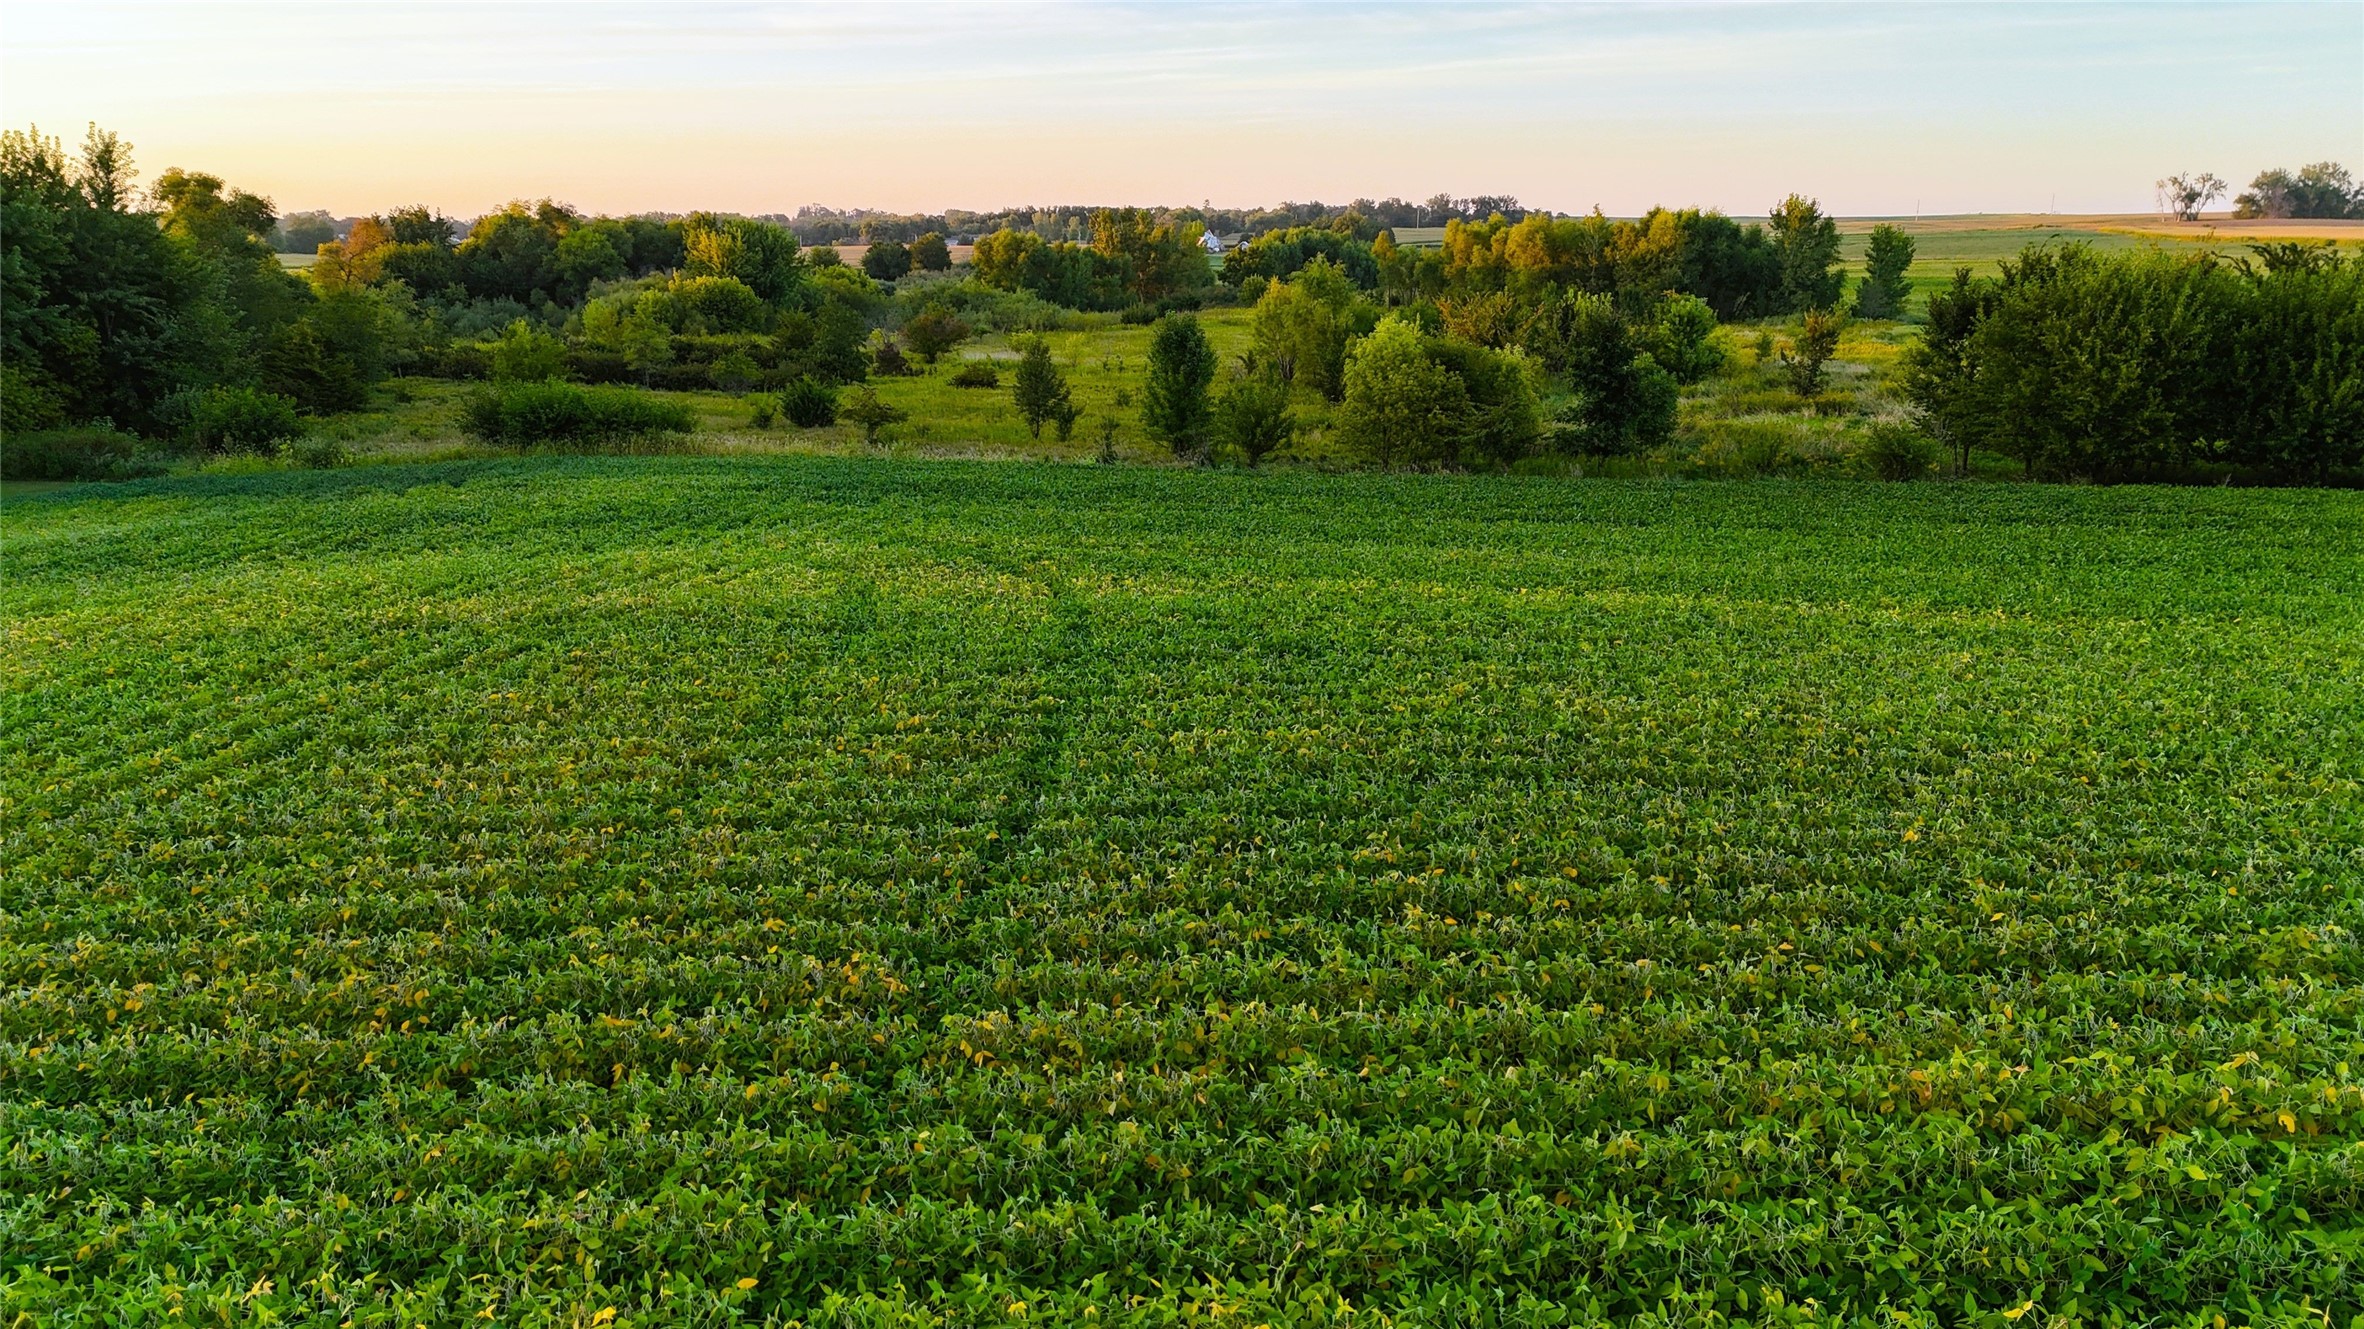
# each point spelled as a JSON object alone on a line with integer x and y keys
{"x": 976, "y": 374}
{"x": 735, "y": 372}
{"x": 1040, "y": 391}
{"x": 590, "y": 365}
{"x": 809, "y": 404}
{"x": 1884, "y": 287}
{"x": 315, "y": 452}
{"x": 1682, "y": 339}
{"x": 561, "y": 415}
{"x": 1252, "y": 418}
{"x": 1895, "y": 451}
{"x": 934, "y": 332}
{"x": 1625, "y": 402}
{"x": 1174, "y": 406}
{"x": 88, "y": 452}
{"x": 1767, "y": 447}
{"x": 1818, "y": 341}
{"x": 873, "y": 415}
{"x": 241, "y": 420}
{"x": 887, "y": 260}
{"x": 888, "y": 361}
{"x": 763, "y": 413}
{"x": 2150, "y": 365}
{"x": 467, "y": 360}
{"x": 527, "y": 354}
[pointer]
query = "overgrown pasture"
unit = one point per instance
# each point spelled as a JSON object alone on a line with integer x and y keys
{"x": 688, "y": 890}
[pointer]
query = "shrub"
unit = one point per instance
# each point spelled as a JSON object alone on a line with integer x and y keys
{"x": 526, "y": 354}
{"x": 86, "y": 452}
{"x": 315, "y": 452}
{"x": 1040, "y": 391}
{"x": 1897, "y": 451}
{"x": 561, "y": 415}
{"x": 241, "y": 420}
{"x": 929, "y": 253}
{"x": 1181, "y": 366}
{"x": 1625, "y": 402}
{"x": 933, "y": 332}
{"x": 586, "y": 364}
{"x": 2149, "y": 364}
{"x": 735, "y": 372}
{"x": 1252, "y": 419}
{"x": 1884, "y": 287}
{"x": 1818, "y": 341}
{"x": 809, "y": 403}
{"x": 976, "y": 374}
{"x": 888, "y": 361}
{"x": 1401, "y": 405}
{"x": 871, "y": 414}
{"x": 887, "y": 260}
{"x": 763, "y": 413}
{"x": 1682, "y": 339}
{"x": 1767, "y": 447}
{"x": 299, "y": 365}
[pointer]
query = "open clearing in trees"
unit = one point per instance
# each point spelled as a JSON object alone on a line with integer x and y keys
{"x": 651, "y": 890}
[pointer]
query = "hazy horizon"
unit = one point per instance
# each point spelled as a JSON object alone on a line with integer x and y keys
{"x": 1876, "y": 109}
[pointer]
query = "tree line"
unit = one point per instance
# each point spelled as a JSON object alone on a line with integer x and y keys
{"x": 166, "y": 312}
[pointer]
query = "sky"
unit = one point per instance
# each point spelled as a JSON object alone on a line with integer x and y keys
{"x": 1874, "y": 109}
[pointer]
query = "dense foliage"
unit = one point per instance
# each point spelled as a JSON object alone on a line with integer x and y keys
{"x": 1132, "y": 259}
{"x": 562, "y": 416}
{"x": 2324, "y": 189}
{"x": 2152, "y": 365}
{"x": 665, "y": 891}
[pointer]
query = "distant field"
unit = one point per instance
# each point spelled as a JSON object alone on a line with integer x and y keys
{"x": 670, "y": 891}
{"x": 1981, "y": 243}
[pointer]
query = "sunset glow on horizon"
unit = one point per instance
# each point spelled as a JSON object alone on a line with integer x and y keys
{"x": 1875, "y": 109}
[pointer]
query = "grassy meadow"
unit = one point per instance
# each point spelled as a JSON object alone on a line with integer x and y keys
{"x": 1742, "y": 421}
{"x": 777, "y": 889}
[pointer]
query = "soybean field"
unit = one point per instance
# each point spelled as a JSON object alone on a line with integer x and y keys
{"x": 774, "y": 889}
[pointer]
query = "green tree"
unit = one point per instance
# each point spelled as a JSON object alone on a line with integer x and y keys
{"x": 887, "y": 260}
{"x": 512, "y": 254}
{"x": 1682, "y": 339}
{"x": 419, "y": 225}
{"x": 103, "y": 313}
{"x": 1939, "y": 369}
{"x": 1252, "y": 418}
{"x": 527, "y": 354}
{"x": 304, "y": 232}
{"x": 929, "y": 253}
{"x": 934, "y": 331}
{"x": 2324, "y": 189}
{"x": 586, "y": 255}
{"x": 1039, "y": 390}
{"x": 1301, "y": 327}
{"x": 1808, "y": 245}
{"x": 1174, "y": 407}
{"x": 867, "y": 411}
{"x": 1401, "y": 406}
{"x": 1625, "y": 402}
{"x": 1884, "y": 287}
{"x": 761, "y": 255}
{"x": 1817, "y": 341}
